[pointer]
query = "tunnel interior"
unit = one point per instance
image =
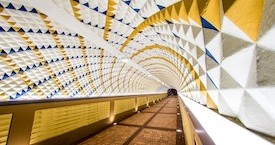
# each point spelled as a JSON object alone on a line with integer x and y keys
{"x": 216, "y": 56}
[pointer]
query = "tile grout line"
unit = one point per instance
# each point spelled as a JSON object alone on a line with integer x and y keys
{"x": 143, "y": 126}
{"x": 149, "y": 127}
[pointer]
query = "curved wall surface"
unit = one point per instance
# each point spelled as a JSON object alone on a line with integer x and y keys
{"x": 219, "y": 53}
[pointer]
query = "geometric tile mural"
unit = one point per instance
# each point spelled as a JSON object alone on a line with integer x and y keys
{"x": 41, "y": 59}
{"x": 219, "y": 53}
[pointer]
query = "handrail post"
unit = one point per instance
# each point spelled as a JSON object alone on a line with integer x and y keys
{"x": 112, "y": 111}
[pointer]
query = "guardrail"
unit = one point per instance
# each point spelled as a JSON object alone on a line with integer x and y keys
{"x": 194, "y": 133}
{"x": 65, "y": 121}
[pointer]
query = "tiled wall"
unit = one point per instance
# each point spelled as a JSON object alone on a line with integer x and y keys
{"x": 219, "y": 53}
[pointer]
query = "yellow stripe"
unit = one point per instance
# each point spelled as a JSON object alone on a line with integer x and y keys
{"x": 101, "y": 70}
{"x": 82, "y": 45}
{"x": 76, "y": 10}
{"x": 125, "y": 77}
{"x": 131, "y": 80}
{"x": 61, "y": 50}
{"x": 111, "y": 74}
{"x": 77, "y": 14}
{"x": 108, "y": 24}
{"x": 135, "y": 82}
{"x": 119, "y": 75}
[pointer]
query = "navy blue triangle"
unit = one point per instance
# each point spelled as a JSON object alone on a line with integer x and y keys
{"x": 33, "y": 66}
{"x": 20, "y": 49}
{"x": 20, "y": 70}
{"x": 169, "y": 22}
{"x": 12, "y": 51}
{"x": 127, "y": 2}
{"x": 5, "y": 76}
{"x": 2, "y": 30}
{"x": 11, "y": 30}
{"x": 10, "y": 6}
{"x": 39, "y": 83}
{"x": 13, "y": 73}
{"x": 3, "y": 53}
{"x": 206, "y": 24}
{"x": 23, "y": 9}
{"x": 211, "y": 56}
{"x": 21, "y": 30}
{"x": 160, "y": 7}
{"x": 120, "y": 20}
{"x": 33, "y": 10}
{"x": 137, "y": 10}
{"x": 1, "y": 6}
{"x": 28, "y": 48}
{"x": 17, "y": 95}
{"x": 104, "y": 13}
{"x": 27, "y": 68}
{"x": 23, "y": 92}
{"x": 39, "y": 31}
{"x": 30, "y": 31}
{"x": 47, "y": 32}
{"x": 212, "y": 81}
{"x": 175, "y": 35}
{"x": 96, "y": 9}
{"x": 86, "y": 4}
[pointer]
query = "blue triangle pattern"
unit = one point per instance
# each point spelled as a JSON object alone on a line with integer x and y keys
{"x": 160, "y": 7}
{"x": 23, "y": 9}
{"x": 96, "y": 9}
{"x": 33, "y": 10}
{"x": 1, "y": 29}
{"x": 137, "y": 10}
{"x": 206, "y": 24}
{"x": 211, "y": 56}
{"x": 127, "y": 2}
{"x": 10, "y": 6}
{"x": 212, "y": 81}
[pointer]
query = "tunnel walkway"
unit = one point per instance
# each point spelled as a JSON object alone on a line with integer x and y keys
{"x": 159, "y": 124}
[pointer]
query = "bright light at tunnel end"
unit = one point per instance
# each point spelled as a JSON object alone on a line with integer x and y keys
{"x": 125, "y": 60}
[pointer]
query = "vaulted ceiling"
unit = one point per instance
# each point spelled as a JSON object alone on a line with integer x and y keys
{"x": 219, "y": 53}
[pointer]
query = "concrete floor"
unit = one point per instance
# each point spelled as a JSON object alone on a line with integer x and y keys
{"x": 155, "y": 125}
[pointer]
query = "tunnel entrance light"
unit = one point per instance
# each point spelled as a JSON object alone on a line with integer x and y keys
{"x": 125, "y": 60}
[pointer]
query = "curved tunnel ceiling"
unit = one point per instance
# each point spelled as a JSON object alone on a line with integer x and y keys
{"x": 219, "y": 53}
